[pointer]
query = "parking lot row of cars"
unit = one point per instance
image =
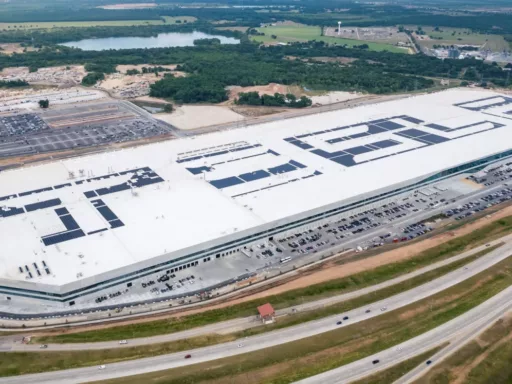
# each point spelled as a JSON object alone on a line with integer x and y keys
{"x": 472, "y": 207}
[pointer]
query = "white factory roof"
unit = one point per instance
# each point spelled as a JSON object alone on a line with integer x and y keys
{"x": 189, "y": 191}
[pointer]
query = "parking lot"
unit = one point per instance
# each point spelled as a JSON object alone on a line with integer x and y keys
{"x": 74, "y": 127}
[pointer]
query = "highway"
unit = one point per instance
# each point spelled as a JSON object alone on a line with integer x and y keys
{"x": 270, "y": 339}
{"x": 13, "y": 343}
{"x": 458, "y": 332}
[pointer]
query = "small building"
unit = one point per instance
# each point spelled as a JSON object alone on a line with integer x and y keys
{"x": 266, "y": 313}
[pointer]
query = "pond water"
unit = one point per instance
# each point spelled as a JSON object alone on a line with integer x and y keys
{"x": 163, "y": 40}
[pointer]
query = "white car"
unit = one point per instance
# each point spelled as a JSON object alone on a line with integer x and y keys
{"x": 383, "y": 309}
{"x": 102, "y": 367}
{"x": 123, "y": 342}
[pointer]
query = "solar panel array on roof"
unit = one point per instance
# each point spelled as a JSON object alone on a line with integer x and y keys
{"x": 346, "y": 156}
{"x": 42, "y": 205}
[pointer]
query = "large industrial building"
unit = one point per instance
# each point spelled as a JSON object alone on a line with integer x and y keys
{"x": 72, "y": 227}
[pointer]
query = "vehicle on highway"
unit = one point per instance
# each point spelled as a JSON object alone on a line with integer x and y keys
{"x": 102, "y": 367}
{"x": 376, "y": 361}
{"x": 240, "y": 345}
{"x": 368, "y": 311}
{"x": 345, "y": 318}
{"x": 338, "y": 323}
{"x": 383, "y": 309}
{"x": 487, "y": 245}
{"x": 188, "y": 356}
{"x": 123, "y": 342}
{"x": 429, "y": 362}
{"x": 43, "y": 346}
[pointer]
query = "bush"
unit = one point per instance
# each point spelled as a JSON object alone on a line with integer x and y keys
{"x": 92, "y": 78}
{"x": 104, "y": 68}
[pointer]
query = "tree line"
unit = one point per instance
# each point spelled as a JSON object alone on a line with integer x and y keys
{"x": 13, "y": 83}
{"x": 276, "y": 100}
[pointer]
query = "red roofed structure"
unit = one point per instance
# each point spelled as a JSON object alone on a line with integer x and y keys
{"x": 266, "y": 313}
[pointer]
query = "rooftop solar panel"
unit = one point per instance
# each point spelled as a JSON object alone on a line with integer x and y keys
{"x": 43, "y": 205}
{"x": 256, "y": 175}
{"x": 284, "y": 168}
{"x": 227, "y": 182}
{"x": 358, "y": 150}
{"x": 412, "y": 133}
{"x": 390, "y": 125}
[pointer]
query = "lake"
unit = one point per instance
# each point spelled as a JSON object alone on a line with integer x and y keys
{"x": 163, "y": 40}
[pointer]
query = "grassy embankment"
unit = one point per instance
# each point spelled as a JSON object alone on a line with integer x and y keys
{"x": 297, "y": 296}
{"x": 297, "y": 360}
{"x": 484, "y": 360}
{"x": 392, "y": 374}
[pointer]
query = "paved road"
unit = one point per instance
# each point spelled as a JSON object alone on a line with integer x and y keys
{"x": 266, "y": 340}
{"x": 457, "y": 331}
{"x": 13, "y": 343}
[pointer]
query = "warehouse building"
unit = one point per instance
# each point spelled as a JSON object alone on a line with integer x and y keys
{"x": 74, "y": 227}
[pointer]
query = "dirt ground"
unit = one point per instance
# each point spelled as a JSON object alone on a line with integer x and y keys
{"x": 63, "y": 75}
{"x": 328, "y": 271}
{"x": 254, "y": 111}
{"x": 9, "y": 49}
{"x": 129, "y": 86}
{"x": 318, "y": 98}
{"x": 198, "y": 116}
{"x": 269, "y": 89}
{"x": 335, "y": 97}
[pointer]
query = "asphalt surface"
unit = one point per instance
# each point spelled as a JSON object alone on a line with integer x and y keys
{"x": 13, "y": 343}
{"x": 270, "y": 339}
{"x": 457, "y": 331}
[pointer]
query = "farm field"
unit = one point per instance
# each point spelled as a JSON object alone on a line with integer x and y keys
{"x": 82, "y": 24}
{"x": 297, "y": 33}
{"x": 460, "y": 36}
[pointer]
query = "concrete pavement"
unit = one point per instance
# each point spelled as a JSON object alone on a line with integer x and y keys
{"x": 270, "y": 339}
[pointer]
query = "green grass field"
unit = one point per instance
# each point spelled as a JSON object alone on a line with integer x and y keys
{"x": 454, "y": 36}
{"x": 392, "y": 374}
{"x": 82, "y": 24}
{"x": 297, "y": 33}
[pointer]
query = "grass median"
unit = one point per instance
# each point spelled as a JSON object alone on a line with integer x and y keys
{"x": 16, "y": 363}
{"x": 392, "y": 374}
{"x": 483, "y": 360}
{"x": 294, "y": 297}
{"x": 300, "y": 359}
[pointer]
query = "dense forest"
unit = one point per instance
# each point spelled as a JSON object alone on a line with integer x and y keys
{"x": 212, "y": 68}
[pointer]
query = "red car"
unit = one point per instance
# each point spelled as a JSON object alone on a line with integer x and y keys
{"x": 188, "y": 356}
